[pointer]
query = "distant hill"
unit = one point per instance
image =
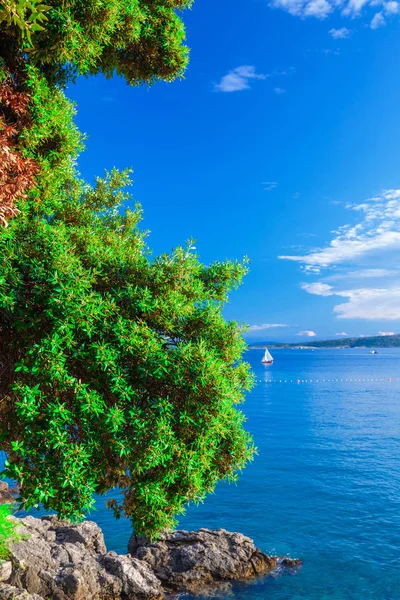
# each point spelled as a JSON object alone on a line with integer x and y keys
{"x": 378, "y": 341}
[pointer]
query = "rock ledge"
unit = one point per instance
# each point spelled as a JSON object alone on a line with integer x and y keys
{"x": 61, "y": 561}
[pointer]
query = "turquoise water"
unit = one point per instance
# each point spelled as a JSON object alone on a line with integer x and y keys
{"x": 325, "y": 486}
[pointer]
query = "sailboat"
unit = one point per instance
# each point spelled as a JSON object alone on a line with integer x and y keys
{"x": 267, "y": 358}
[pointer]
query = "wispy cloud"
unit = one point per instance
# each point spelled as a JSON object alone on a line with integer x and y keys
{"x": 377, "y": 231}
{"x": 305, "y": 8}
{"x": 376, "y": 304}
{"x": 269, "y": 185}
{"x": 342, "y": 334}
{"x": 371, "y": 273}
{"x": 318, "y": 288}
{"x": 333, "y": 51}
{"x": 340, "y": 34}
{"x": 238, "y": 79}
{"x": 306, "y": 333}
{"x": 386, "y": 333}
{"x": 369, "y": 303}
{"x": 265, "y": 326}
{"x": 350, "y": 261}
{"x": 378, "y": 21}
{"x": 392, "y": 8}
{"x": 321, "y": 9}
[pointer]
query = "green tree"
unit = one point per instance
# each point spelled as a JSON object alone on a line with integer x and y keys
{"x": 140, "y": 40}
{"x": 123, "y": 371}
{"x": 27, "y": 15}
{"x": 117, "y": 368}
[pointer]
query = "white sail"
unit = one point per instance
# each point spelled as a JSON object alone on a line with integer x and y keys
{"x": 267, "y": 356}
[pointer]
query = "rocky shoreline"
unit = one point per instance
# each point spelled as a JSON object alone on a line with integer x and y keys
{"x": 59, "y": 561}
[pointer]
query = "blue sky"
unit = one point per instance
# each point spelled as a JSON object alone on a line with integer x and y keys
{"x": 282, "y": 144}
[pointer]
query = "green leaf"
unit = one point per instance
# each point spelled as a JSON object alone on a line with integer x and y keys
{"x": 37, "y": 27}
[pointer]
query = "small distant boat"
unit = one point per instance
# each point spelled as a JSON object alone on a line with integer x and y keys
{"x": 374, "y": 352}
{"x": 267, "y": 358}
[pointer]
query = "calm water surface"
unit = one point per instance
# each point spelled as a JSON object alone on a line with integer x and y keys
{"x": 325, "y": 486}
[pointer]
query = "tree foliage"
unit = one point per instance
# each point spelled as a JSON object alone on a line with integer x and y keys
{"x": 122, "y": 369}
{"x": 117, "y": 368}
{"x": 27, "y": 15}
{"x": 16, "y": 171}
{"x": 139, "y": 40}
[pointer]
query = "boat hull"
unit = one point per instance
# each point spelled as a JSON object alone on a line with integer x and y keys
{"x": 267, "y": 362}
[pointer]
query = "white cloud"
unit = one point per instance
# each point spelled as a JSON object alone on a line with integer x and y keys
{"x": 317, "y": 288}
{"x": 391, "y": 8}
{"x": 317, "y": 8}
{"x": 340, "y": 34}
{"x": 320, "y": 9}
{"x": 386, "y": 333}
{"x": 372, "y": 273}
{"x": 238, "y": 79}
{"x": 307, "y": 333}
{"x": 270, "y": 185}
{"x": 378, "y": 21}
{"x": 342, "y": 334}
{"x": 378, "y": 231}
{"x": 371, "y": 304}
{"x": 354, "y": 255}
{"x": 266, "y": 326}
{"x": 377, "y": 304}
{"x": 305, "y": 8}
{"x": 354, "y": 7}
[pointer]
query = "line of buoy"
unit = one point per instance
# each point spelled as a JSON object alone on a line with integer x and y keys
{"x": 388, "y": 379}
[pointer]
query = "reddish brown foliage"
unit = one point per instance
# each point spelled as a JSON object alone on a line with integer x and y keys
{"x": 16, "y": 171}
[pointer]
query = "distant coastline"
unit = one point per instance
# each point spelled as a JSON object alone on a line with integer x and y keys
{"x": 378, "y": 341}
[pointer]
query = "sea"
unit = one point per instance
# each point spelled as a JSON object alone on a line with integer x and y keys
{"x": 325, "y": 484}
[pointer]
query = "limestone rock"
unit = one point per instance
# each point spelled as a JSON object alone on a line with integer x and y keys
{"x": 5, "y": 570}
{"x": 15, "y": 490}
{"x": 59, "y": 561}
{"x": 290, "y": 563}
{"x": 69, "y": 562}
{"x": 188, "y": 561}
{"x": 135, "y": 575}
{"x": 7, "y": 495}
{"x": 8, "y": 592}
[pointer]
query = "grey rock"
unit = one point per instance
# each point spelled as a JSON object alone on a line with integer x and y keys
{"x": 189, "y": 561}
{"x": 134, "y": 575}
{"x": 8, "y": 592}
{"x": 15, "y": 490}
{"x": 8, "y": 494}
{"x": 290, "y": 563}
{"x": 69, "y": 562}
{"x": 6, "y": 497}
{"x": 59, "y": 561}
{"x": 5, "y": 570}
